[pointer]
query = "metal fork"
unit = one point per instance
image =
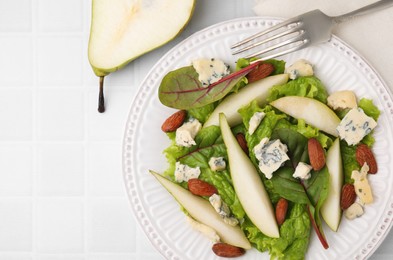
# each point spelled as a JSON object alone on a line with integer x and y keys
{"x": 299, "y": 32}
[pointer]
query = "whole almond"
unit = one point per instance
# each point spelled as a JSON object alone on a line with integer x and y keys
{"x": 260, "y": 72}
{"x": 242, "y": 142}
{"x": 174, "y": 121}
{"x": 316, "y": 154}
{"x": 281, "y": 210}
{"x": 227, "y": 250}
{"x": 348, "y": 196}
{"x": 365, "y": 155}
{"x": 201, "y": 188}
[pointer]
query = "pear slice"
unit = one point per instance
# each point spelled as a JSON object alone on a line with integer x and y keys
{"x": 258, "y": 90}
{"x": 331, "y": 211}
{"x": 313, "y": 112}
{"x": 248, "y": 184}
{"x": 123, "y": 30}
{"x": 202, "y": 211}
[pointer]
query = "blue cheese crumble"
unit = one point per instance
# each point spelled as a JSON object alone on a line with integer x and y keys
{"x": 255, "y": 121}
{"x": 217, "y": 164}
{"x": 302, "y": 171}
{"x": 186, "y": 133}
{"x": 222, "y": 209}
{"x": 210, "y": 70}
{"x": 271, "y": 155}
{"x": 184, "y": 172}
{"x": 340, "y": 100}
{"x": 362, "y": 186}
{"x": 355, "y": 125}
{"x": 204, "y": 229}
{"x": 300, "y": 68}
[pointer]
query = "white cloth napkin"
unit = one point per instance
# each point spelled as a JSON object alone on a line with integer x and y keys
{"x": 371, "y": 34}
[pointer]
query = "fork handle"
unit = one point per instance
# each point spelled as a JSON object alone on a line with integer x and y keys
{"x": 363, "y": 10}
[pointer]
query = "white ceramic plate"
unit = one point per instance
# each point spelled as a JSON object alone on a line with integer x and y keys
{"x": 336, "y": 64}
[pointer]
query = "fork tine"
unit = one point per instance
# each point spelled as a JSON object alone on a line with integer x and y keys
{"x": 277, "y": 54}
{"x": 274, "y": 37}
{"x": 297, "y": 38}
{"x": 270, "y": 29}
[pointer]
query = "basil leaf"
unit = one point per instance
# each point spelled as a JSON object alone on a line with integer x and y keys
{"x": 182, "y": 89}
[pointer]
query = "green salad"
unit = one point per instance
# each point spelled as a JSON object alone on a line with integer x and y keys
{"x": 296, "y": 201}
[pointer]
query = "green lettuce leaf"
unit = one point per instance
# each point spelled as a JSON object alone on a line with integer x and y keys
{"x": 309, "y": 86}
{"x": 369, "y": 108}
{"x": 294, "y": 235}
{"x": 209, "y": 143}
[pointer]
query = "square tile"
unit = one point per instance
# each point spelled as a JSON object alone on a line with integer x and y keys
{"x": 60, "y": 16}
{"x": 66, "y": 108}
{"x": 16, "y": 63}
{"x": 16, "y": 117}
{"x": 60, "y": 60}
{"x": 111, "y": 226}
{"x": 15, "y": 16}
{"x": 61, "y": 170}
{"x": 16, "y": 164}
{"x": 104, "y": 170}
{"x": 110, "y": 125}
{"x": 60, "y": 226}
{"x": 16, "y": 225}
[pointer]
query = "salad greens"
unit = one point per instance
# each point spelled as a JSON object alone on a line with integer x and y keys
{"x": 305, "y": 197}
{"x": 182, "y": 89}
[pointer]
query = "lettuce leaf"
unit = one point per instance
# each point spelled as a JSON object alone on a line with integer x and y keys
{"x": 348, "y": 152}
{"x": 209, "y": 143}
{"x": 294, "y": 235}
{"x": 310, "y": 87}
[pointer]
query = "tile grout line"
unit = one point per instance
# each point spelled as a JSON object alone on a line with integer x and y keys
{"x": 86, "y": 143}
{"x": 34, "y": 21}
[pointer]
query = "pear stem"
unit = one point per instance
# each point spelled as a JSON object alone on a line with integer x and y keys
{"x": 101, "y": 100}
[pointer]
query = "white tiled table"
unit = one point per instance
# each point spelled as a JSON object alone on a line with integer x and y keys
{"x": 61, "y": 190}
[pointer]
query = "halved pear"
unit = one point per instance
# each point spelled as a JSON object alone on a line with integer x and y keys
{"x": 258, "y": 90}
{"x": 248, "y": 184}
{"x": 202, "y": 211}
{"x": 331, "y": 211}
{"x": 123, "y": 30}
{"x": 313, "y": 112}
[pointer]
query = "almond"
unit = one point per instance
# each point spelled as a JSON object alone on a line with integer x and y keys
{"x": 227, "y": 250}
{"x": 262, "y": 71}
{"x": 365, "y": 155}
{"x": 281, "y": 210}
{"x": 242, "y": 142}
{"x": 174, "y": 121}
{"x": 201, "y": 188}
{"x": 316, "y": 154}
{"x": 348, "y": 196}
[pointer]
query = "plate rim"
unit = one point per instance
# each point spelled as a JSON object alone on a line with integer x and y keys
{"x": 365, "y": 251}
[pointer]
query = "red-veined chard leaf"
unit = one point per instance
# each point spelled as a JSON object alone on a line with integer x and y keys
{"x": 181, "y": 88}
{"x": 313, "y": 191}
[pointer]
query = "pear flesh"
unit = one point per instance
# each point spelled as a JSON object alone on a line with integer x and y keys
{"x": 123, "y": 30}
{"x": 258, "y": 90}
{"x": 248, "y": 184}
{"x": 202, "y": 211}
{"x": 331, "y": 211}
{"x": 313, "y": 112}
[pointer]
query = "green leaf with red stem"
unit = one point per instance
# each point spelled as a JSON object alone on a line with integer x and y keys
{"x": 182, "y": 89}
{"x": 313, "y": 191}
